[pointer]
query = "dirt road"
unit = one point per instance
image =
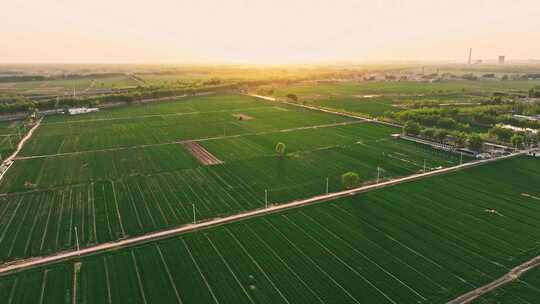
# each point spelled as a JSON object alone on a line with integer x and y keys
{"x": 512, "y": 275}
{"x": 6, "y": 164}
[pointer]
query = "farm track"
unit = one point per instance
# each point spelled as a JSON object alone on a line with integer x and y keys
{"x": 512, "y": 275}
{"x": 193, "y": 140}
{"x": 33, "y": 262}
{"x": 9, "y": 161}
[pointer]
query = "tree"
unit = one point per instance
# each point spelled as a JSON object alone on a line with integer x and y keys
{"x": 517, "y": 140}
{"x": 475, "y": 142}
{"x": 460, "y": 138}
{"x": 427, "y": 133}
{"x": 446, "y": 123}
{"x": 350, "y": 180}
{"x": 411, "y": 128}
{"x": 280, "y": 149}
{"x": 501, "y": 133}
{"x": 440, "y": 135}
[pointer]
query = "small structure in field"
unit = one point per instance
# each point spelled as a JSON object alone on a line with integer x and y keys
{"x": 241, "y": 116}
{"x": 534, "y": 152}
{"x": 518, "y": 129}
{"x": 83, "y": 110}
{"x": 525, "y": 117}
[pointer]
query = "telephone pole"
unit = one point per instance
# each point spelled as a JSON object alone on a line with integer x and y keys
{"x": 327, "y": 185}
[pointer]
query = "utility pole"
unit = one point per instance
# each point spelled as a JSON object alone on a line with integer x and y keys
{"x": 461, "y": 158}
{"x": 194, "y": 220}
{"x": 326, "y": 185}
{"x": 265, "y": 198}
{"x": 77, "y": 238}
{"x": 378, "y": 174}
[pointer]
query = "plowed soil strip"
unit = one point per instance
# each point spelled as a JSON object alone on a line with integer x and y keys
{"x": 203, "y": 156}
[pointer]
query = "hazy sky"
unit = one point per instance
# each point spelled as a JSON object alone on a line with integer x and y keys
{"x": 272, "y": 31}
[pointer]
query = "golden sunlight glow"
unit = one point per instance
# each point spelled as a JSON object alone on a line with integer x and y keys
{"x": 251, "y": 31}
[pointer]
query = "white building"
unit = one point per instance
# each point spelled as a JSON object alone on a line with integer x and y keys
{"x": 534, "y": 153}
{"x": 524, "y": 117}
{"x": 518, "y": 129}
{"x": 75, "y": 111}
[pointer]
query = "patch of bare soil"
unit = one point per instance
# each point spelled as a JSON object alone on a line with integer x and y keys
{"x": 201, "y": 154}
{"x": 312, "y": 97}
{"x": 241, "y": 116}
{"x": 530, "y": 196}
{"x": 367, "y": 96}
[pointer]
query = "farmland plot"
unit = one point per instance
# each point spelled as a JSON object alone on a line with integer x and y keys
{"x": 96, "y": 134}
{"x": 394, "y": 245}
{"x": 376, "y": 98}
{"x": 116, "y": 194}
{"x": 199, "y": 104}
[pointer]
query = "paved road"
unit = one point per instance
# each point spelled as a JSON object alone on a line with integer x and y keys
{"x": 23, "y": 264}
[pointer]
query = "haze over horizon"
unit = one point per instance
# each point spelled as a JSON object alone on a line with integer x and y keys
{"x": 263, "y": 32}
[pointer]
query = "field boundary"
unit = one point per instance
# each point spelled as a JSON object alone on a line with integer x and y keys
{"x": 19, "y": 265}
{"x": 512, "y": 275}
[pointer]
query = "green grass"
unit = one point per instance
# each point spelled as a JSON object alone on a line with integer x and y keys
{"x": 422, "y": 242}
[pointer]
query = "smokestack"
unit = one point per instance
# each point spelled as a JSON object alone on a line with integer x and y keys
{"x": 470, "y": 55}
